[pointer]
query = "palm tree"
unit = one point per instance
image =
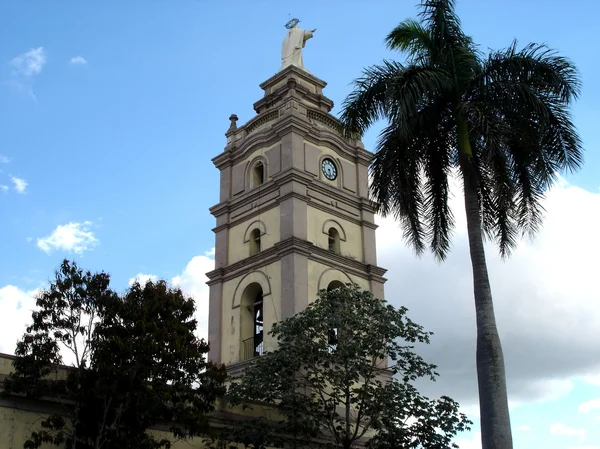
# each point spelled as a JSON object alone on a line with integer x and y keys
{"x": 501, "y": 122}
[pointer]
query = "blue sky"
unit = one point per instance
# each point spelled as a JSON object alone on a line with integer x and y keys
{"x": 111, "y": 111}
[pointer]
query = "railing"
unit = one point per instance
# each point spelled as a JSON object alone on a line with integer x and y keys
{"x": 249, "y": 350}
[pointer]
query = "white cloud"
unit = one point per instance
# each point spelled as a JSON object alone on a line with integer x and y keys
{"x": 16, "y": 306}
{"x": 4, "y": 159}
{"x": 546, "y": 300}
{"x": 78, "y": 60}
{"x": 142, "y": 279}
{"x": 3, "y": 188}
{"x": 20, "y": 184}
{"x": 210, "y": 253}
{"x": 588, "y": 406}
{"x": 29, "y": 63}
{"x": 561, "y": 429}
{"x": 593, "y": 379}
{"x": 523, "y": 428}
{"x": 192, "y": 281}
{"x": 72, "y": 237}
{"x": 473, "y": 443}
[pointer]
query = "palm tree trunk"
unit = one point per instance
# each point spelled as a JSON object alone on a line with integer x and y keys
{"x": 491, "y": 377}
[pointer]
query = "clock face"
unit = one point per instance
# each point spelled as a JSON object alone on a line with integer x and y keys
{"x": 329, "y": 169}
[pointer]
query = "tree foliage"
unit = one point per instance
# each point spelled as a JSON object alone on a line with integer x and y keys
{"x": 329, "y": 379}
{"x": 136, "y": 362}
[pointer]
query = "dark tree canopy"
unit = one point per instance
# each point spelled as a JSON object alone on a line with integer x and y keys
{"x": 136, "y": 363}
{"x": 329, "y": 378}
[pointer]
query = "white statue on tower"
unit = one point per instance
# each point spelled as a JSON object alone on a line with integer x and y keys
{"x": 291, "y": 50}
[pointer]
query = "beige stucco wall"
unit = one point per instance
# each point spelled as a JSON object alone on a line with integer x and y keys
{"x": 16, "y": 426}
{"x": 352, "y": 247}
{"x": 268, "y": 277}
{"x": 5, "y": 365}
{"x": 238, "y": 249}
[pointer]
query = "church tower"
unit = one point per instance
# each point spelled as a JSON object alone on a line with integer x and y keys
{"x": 293, "y": 217}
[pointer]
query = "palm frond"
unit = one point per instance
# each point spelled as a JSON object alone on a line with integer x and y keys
{"x": 538, "y": 66}
{"x": 440, "y": 18}
{"x": 519, "y": 108}
{"x": 391, "y": 91}
{"x": 368, "y": 101}
{"x": 396, "y": 184}
{"x": 410, "y": 175}
{"x": 412, "y": 38}
{"x": 494, "y": 167}
{"x": 437, "y": 211}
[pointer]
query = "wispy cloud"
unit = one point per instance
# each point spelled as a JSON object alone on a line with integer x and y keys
{"x": 78, "y": 60}
{"x": 4, "y": 159}
{"x": 564, "y": 430}
{"x": 72, "y": 237}
{"x": 20, "y": 184}
{"x": 29, "y": 63}
{"x": 3, "y": 188}
{"x": 523, "y": 428}
{"x": 588, "y": 406}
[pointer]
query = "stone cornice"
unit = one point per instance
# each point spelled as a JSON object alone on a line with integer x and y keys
{"x": 265, "y": 85}
{"x": 256, "y": 197}
{"x": 284, "y": 124}
{"x": 294, "y": 245}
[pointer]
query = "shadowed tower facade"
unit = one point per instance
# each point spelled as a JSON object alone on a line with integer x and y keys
{"x": 293, "y": 217}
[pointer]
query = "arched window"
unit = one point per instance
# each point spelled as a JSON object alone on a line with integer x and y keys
{"x": 254, "y": 242}
{"x": 252, "y": 328}
{"x": 333, "y": 238}
{"x": 258, "y": 174}
{"x": 332, "y": 335}
{"x": 335, "y": 284}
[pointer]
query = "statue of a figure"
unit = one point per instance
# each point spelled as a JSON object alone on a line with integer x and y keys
{"x": 291, "y": 50}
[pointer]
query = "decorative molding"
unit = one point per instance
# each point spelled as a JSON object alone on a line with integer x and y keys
{"x": 251, "y": 277}
{"x": 315, "y": 188}
{"x": 248, "y": 172}
{"x": 332, "y": 274}
{"x": 299, "y": 124}
{"x": 261, "y": 120}
{"x": 294, "y": 245}
{"x": 334, "y": 224}
{"x": 256, "y": 224}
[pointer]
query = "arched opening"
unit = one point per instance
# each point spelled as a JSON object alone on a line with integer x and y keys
{"x": 335, "y": 284}
{"x": 254, "y": 242}
{"x": 332, "y": 335}
{"x": 252, "y": 322}
{"x": 258, "y": 174}
{"x": 333, "y": 238}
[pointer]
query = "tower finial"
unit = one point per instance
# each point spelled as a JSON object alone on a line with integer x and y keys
{"x": 233, "y": 126}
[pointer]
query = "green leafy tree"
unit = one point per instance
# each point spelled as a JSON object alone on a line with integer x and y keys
{"x": 330, "y": 381}
{"x": 136, "y": 362}
{"x": 501, "y": 122}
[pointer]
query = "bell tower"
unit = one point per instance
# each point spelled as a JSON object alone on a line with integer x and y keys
{"x": 293, "y": 216}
